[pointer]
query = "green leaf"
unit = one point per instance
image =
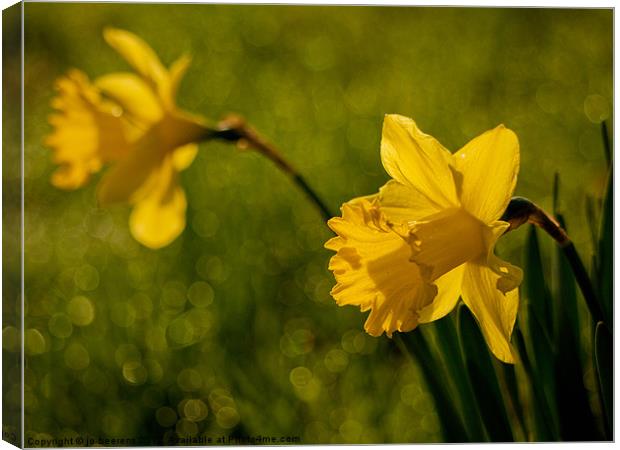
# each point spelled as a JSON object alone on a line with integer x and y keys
{"x": 591, "y": 214}
{"x": 538, "y": 322}
{"x": 606, "y": 253}
{"x": 576, "y": 419}
{"x": 583, "y": 281}
{"x": 483, "y": 378}
{"x": 537, "y": 292}
{"x": 512, "y": 388}
{"x": 564, "y": 291}
{"x": 603, "y": 353}
{"x": 544, "y": 427}
{"x": 450, "y": 353}
{"x": 415, "y": 347}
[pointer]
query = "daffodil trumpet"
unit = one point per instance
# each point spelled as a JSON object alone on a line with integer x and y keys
{"x": 521, "y": 210}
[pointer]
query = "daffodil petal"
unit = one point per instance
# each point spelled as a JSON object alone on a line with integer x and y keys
{"x": 159, "y": 218}
{"x": 137, "y": 53}
{"x": 125, "y": 182}
{"x": 373, "y": 271}
{"x": 70, "y": 176}
{"x": 183, "y": 157}
{"x": 495, "y": 311}
{"x": 489, "y": 165}
{"x": 448, "y": 292}
{"x": 510, "y": 276}
{"x": 168, "y": 89}
{"x": 85, "y": 132}
{"x": 402, "y": 203}
{"x": 418, "y": 160}
{"x": 133, "y": 95}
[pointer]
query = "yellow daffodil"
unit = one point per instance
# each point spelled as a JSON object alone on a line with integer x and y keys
{"x": 408, "y": 252}
{"x": 129, "y": 120}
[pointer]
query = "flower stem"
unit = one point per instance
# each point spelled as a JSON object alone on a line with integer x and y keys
{"x": 583, "y": 280}
{"x": 234, "y": 128}
{"x": 606, "y": 143}
{"x": 521, "y": 210}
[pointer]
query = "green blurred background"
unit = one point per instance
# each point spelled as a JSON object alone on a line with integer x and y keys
{"x": 231, "y": 329}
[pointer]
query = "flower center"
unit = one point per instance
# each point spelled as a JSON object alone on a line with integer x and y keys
{"x": 446, "y": 240}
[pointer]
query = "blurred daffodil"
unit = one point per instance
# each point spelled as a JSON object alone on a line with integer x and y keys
{"x": 131, "y": 121}
{"x": 408, "y": 252}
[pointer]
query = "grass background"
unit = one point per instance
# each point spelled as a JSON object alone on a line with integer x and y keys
{"x": 231, "y": 329}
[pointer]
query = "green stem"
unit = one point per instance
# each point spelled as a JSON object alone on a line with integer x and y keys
{"x": 521, "y": 210}
{"x": 303, "y": 185}
{"x": 583, "y": 281}
{"x": 235, "y": 129}
{"x": 606, "y": 143}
